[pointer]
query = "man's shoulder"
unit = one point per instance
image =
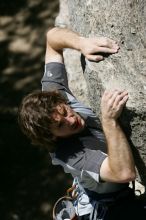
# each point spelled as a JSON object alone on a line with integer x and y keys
{"x": 54, "y": 77}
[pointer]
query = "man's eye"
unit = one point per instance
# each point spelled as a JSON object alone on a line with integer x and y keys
{"x": 63, "y": 112}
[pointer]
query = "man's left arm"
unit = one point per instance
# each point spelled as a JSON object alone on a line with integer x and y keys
{"x": 119, "y": 165}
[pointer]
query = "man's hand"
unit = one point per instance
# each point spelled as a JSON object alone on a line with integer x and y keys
{"x": 112, "y": 104}
{"x": 95, "y": 48}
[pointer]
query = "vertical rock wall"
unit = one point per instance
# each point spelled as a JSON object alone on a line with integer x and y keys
{"x": 124, "y": 21}
{"x": 76, "y": 79}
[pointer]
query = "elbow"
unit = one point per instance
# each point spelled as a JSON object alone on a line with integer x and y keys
{"x": 116, "y": 174}
{"x": 126, "y": 176}
{"x": 50, "y": 33}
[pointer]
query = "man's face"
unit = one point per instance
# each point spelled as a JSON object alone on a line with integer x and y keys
{"x": 66, "y": 121}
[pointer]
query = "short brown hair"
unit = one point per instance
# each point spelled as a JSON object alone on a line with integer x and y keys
{"x": 34, "y": 116}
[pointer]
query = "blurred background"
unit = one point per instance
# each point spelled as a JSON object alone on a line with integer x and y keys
{"x": 29, "y": 184}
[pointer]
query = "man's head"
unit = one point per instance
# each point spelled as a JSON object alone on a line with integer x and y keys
{"x": 66, "y": 121}
{"x": 45, "y": 116}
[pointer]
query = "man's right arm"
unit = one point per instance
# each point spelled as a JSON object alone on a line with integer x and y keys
{"x": 60, "y": 38}
{"x": 119, "y": 165}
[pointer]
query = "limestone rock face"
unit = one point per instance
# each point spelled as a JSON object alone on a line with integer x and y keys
{"x": 124, "y": 21}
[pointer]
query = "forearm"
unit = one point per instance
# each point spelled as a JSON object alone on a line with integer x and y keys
{"x": 59, "y": 38}
{"x": 91, "y": 48}
{"x": 120, "y": 157}
{"x": 119, "y": 165}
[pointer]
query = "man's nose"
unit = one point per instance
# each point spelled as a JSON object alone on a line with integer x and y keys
{"x": 70, "y": 120}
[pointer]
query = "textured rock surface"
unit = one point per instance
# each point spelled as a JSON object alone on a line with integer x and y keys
{"x": 76, "y": 79}
{"x": 124, "y": 21}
